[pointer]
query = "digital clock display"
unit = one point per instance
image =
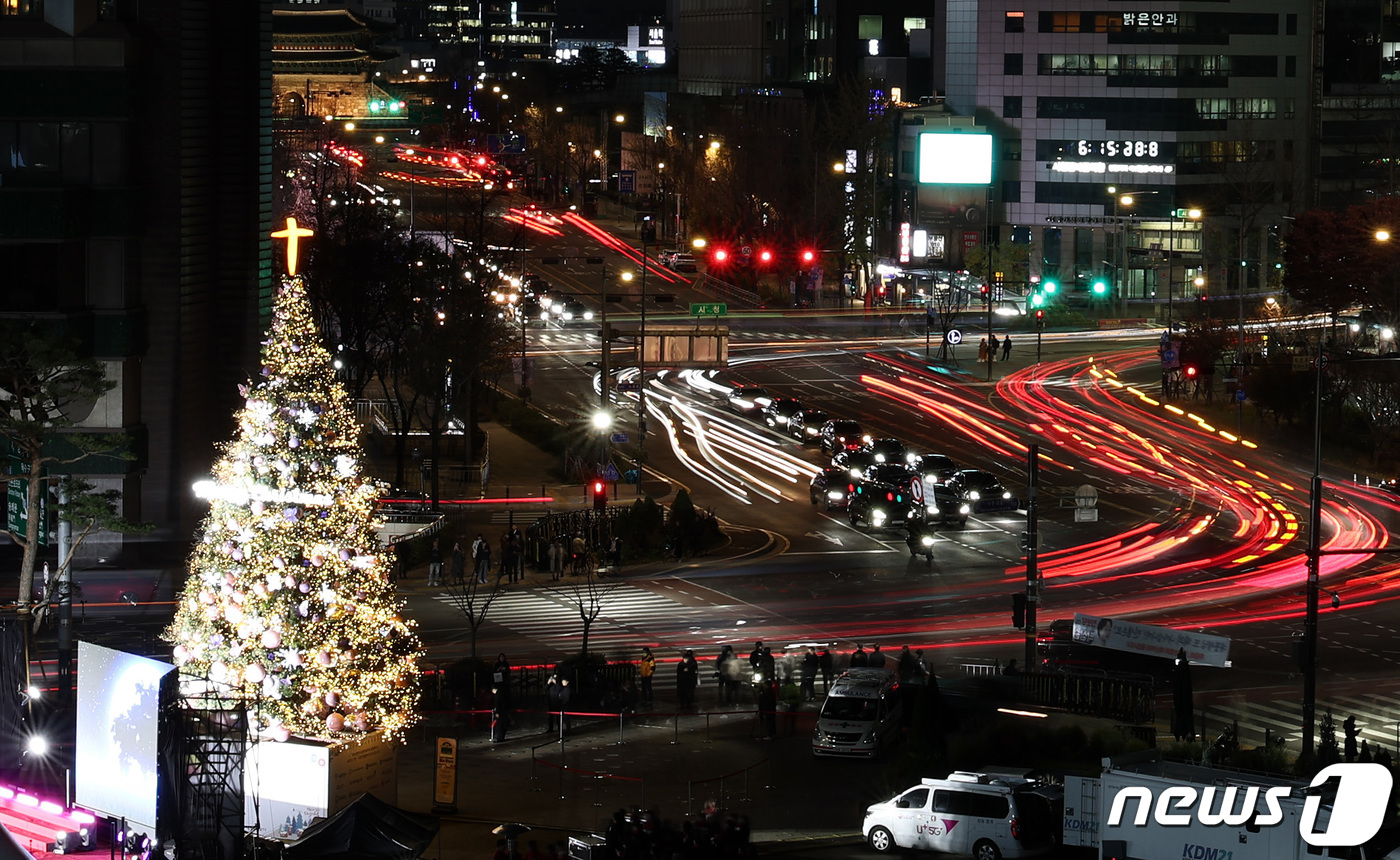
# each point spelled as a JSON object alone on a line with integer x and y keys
{"x": 1118, "y": 148}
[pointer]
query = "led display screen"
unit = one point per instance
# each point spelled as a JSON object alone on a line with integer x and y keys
{"x": 955, "y": 159}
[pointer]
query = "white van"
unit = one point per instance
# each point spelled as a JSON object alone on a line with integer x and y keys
{"x": 987, "y": 815}
{"x": 861, "y": 714}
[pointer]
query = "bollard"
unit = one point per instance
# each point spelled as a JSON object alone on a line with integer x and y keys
{"x": 721, "y": 792}
{"x": 707, "y": 727}
{"x": 676, "y": 731}
{"x": 561, "y": 767}
{"x": 619, "y": 728}
{"x": 745, "y": 798}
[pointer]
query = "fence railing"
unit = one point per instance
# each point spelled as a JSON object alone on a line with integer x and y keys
{"x": 722, "y": 289}
{"x": 1128, "y": 698}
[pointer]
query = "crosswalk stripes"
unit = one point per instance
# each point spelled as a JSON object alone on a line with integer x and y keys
{"x": 552, "y": 616}
{"x": 1377, "y": 717}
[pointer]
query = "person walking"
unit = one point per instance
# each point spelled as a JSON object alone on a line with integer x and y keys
{"x": 982, "y": 351}
{"x": 809, "y": 675}
{"x": 517, "y": 555}
{"x": 435, "y": 564}
{"x": 459, "y": 563}
{"x": 687, "y": 676}
{"x": 877, "y": 659}
{"x": 645, "y": 670}
{"x": 507, "y": 560}
{"x": 1006, "y": 347}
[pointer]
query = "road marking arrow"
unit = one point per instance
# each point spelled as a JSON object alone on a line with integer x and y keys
{"x": 825, "y": 537}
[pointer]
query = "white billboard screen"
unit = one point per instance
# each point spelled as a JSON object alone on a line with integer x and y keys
{"x": 115, "y": 759}
{"x": 955, "y": 159}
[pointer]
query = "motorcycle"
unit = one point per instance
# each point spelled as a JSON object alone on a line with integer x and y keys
{"x": 920, "y": 544}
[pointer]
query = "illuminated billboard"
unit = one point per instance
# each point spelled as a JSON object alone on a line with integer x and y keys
{"x": 115, "y": 760}
{"x": 949, "y": 158}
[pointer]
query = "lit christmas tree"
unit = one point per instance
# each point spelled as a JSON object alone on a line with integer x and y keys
{"x": 288, "y": 601}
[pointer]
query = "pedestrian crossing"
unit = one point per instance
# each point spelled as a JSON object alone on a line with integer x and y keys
{"x": 628, "y": 616}
{"x": 1377, "y": 717}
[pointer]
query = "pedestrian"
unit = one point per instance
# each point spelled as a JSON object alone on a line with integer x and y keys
{"x": 824, "y": 663}
{"x": 517, "y": 554}
{"x": 687, "y": 676}
{"x": 500, "y": 699}
{"x": 401, "y": 559}
{"x": 982, "y": 351}
{"x": 992, "y": 345}
{"x": 908, "y": 669}
{"x": 459, "y": 563}
{"x": 768, "y": 708}
{"x": 859, "y": 658}
{"x": 580, "y": 550}
{"x": 559, "y": 695}
{"x": 766, "y": 665}
{"x": 481, "y": 556}
{"x": 557, "y": 551}
{"x": 877, "y": 659}
{"x": 1012, "y": 669}
{"x": 507, "y": 560}
{"x": 756, "y": 657}
{"x": 724, "y": 664}
{"x": 1006, "y": 347}
{"x": 645, "y": 671}
{"x": 435, "y": 564}
{"x": 809, "y": 675}
{"x": 616, "y": 552}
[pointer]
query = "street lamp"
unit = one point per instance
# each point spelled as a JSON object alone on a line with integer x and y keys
{"x": 1121, "y": 278}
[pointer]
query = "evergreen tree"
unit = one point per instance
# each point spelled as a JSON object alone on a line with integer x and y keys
{"x": 1327, "y": 751}
{"x": 288, "y": 599}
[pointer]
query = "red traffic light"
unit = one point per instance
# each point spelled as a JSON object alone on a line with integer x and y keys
{"x": 809, "y": 256}
{"x": 1190, "y": 371}
{"x": 1040, "y": 315}
{"x": 598, "y": 488}
{"x": 720, "y": 255}
{"x": 765, "y": 256}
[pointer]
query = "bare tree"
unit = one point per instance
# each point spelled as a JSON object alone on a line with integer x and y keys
{"x": 473, "y": 599}
{"x": 589, "y": 596}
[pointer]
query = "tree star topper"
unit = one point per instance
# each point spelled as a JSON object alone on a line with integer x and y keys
{"x": 292, "y": 234}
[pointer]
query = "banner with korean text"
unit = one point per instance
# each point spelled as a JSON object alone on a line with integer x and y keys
{"x": 1121, "y": 635}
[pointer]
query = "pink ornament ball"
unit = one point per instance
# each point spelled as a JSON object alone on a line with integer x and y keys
{"x": 323, "y": 658}
{"x": 332, "y": 699}
{"x": 335, "y": 723}
{"x": 304, "y": 588}
{"x": 360, "y": 722}
{"x": 271, "y": 639}
{"x": 281, "y": 734}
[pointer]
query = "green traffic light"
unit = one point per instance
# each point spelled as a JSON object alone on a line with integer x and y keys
{"x": 1100, "y": 287}
{"x": 1050, "y": 287}
{"x": 374, "y": 106}
{"x": 1037, "y": 300}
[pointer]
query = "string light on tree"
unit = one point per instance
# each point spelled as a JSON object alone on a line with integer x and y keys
{"x": 288, "y": 601}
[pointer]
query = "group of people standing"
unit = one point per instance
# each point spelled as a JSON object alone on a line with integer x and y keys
{"x": 987, "y": 350}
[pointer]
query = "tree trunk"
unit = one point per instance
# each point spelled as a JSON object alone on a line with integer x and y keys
{"x": 33, "y": 522}
{"x": 587, "y": 623}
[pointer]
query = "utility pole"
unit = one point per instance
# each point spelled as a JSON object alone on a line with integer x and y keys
{"x": 1314, "y": 562}
{"x": 1032, "y": 540}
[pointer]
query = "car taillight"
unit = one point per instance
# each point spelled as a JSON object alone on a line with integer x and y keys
{"x": 1016, "y": 828}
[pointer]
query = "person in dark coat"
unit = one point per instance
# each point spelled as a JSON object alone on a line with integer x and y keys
{"x": 809, "y": 675}
{"x": 725, "y": 666}
{"x": 824, "y": 662}
{"x": 459, "y": 564}
{"x": 767, "y": 665}
{"x": 908, "y": 667}
{"x": 435, "y": 564}
{"x": 559, "y": 696}
{"x": 687, "y": 676}
{"x": 756, "y": 657}
{"x": 877, "y": 659}
{"x": 859, "y": 658}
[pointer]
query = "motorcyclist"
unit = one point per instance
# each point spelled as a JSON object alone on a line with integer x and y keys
{"x": 915, "y": 538}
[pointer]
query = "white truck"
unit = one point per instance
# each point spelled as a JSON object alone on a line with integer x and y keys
{"x": 1142, "y": 808}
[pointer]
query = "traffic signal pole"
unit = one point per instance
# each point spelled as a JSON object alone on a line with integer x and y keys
{"x": 1032, "y": 539}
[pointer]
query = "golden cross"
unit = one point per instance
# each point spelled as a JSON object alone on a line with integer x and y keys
{"x": 292, "y": 234}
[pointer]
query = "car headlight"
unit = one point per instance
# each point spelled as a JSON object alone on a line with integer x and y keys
{"x": 865, "y": 439}
{"x": 544, "y": 315}
{"x": 568, "y": 316}
{"x": 879, "y": 458}
{"x": 588, "y": 315}
{"x": 974, "y": 495}
{"x": 877, "y": 517}
{"x": 855, "y": 473}
{"x": 932, "y": 510}
{"x": 811, "y": 431}
{"x": 965, "y": 509}
{"x": 1006, "y": 495}
{"x": 835, "y": 495}
{"x": 867, "y": 738}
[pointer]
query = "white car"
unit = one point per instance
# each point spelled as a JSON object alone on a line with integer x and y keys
{"x": 987, "y": 815}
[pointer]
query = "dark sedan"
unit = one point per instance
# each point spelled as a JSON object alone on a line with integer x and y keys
{"x": 830, "y": 486}
{"x": 779, "y": 411}
{"x": 806, "y": 425}
{"x": 842, "y": 434}
{"x": 935, "y": 468}
{"x": 887, "y": 450}
{"x": 983, "y": 491}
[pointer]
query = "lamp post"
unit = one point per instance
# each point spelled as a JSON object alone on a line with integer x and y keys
{"x": 1314, "y": 557}
{"x": 1120, "y": 264}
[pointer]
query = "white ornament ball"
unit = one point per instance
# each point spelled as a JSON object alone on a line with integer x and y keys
{"x": 271, "y": 639}
{"x": 255, "y": 673}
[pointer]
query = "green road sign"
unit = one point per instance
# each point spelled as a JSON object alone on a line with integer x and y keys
{"x": 709, "y": 309}
{"x": 17, "y": 510}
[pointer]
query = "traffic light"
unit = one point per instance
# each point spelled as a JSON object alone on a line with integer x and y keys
{"x": 719, "y": 257}
{"x": 1018, "y": 610}
{"x": 1099, "y": 287}
{"x": 1049, "y": 287}
{"x": 986, "y": 290}
{"x": 764, "y": 256}
{"x": 808, "y": 256}
{"x": 1037, "y": 300}
{"x": 1190, "y": 371}
{"x": 1039, "y": 320}
{"x": 600, "y": 494}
